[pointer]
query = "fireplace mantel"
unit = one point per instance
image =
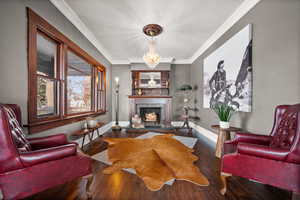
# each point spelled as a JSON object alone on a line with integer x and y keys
{"x": 142, "y": 96}
{"x": 163, "y": 102}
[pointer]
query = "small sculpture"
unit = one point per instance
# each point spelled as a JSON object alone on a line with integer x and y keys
{"x": 186, "y": 89}
{"x": 136, "y": 122}
{"x": 140, "y": 92}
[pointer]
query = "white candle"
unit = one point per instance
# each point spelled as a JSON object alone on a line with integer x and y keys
{"x": 117, "y": 80}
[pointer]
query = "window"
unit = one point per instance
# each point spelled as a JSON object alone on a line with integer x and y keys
{"x": 79, "y": 85}
{"x": 100, "y": 90}
{"x": 46, "y": 76}
{"x": 65, "y": 83}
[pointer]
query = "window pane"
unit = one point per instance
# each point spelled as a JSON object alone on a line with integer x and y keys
{"x": 99, "y": 80}
{"x": 46, "y": 56}
{"x": 79, "y": 84}
{"x": 99, "y": 100}
{"x": 46, "y": 96}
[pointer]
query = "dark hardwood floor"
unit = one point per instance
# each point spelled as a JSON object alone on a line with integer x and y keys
{"x": 125, "y": 186}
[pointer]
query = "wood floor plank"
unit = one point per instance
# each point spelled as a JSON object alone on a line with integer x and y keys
{"x": 126, "y": 186}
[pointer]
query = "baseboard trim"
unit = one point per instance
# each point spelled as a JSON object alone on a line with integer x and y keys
{"x": 205, "y": 132}
{"x": 200, "y": 130}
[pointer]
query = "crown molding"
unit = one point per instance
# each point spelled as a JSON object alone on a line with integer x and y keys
{"x": 182, "y": 61}
{"x": 120, "y": 62}
{"x": 71, "y": 15}
{"x": 139, "y": 60}
{"x": 241, "y": 11}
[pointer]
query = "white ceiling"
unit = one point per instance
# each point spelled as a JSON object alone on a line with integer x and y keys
{"x": 115, "y": 26}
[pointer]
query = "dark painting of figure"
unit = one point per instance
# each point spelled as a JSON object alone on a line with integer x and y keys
{"x": 228, "y": 73}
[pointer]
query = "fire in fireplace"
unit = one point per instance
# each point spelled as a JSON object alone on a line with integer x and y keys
{"x": 150, "y": 115}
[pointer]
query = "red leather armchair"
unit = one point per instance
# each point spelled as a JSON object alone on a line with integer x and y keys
{"x": 31, "y": 166}
{"x": 273, "y": 159}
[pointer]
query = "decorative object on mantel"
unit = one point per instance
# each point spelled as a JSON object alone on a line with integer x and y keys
{"x": 224, "y": 134}
{"x": 140, "y": 93}
{"x": 152, "y": 58}
{"x": 224, "y": 113}
{"x": 151, "y": 82}
{"x": 116, "y": 127}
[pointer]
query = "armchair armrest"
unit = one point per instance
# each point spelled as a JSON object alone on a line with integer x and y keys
{"x": 250, "y": 138}
{"x": 263, "y": 151}
{"x": 35, "y": 157}
{"x": 48, "y": 141}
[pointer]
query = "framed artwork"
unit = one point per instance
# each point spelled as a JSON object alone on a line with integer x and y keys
{"x": 228, "y": 73}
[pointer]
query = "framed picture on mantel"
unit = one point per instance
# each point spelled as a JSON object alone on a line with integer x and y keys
{"x": 228, "y": 73}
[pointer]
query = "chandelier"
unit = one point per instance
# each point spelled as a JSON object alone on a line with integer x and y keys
{"x": 152, "y": 58}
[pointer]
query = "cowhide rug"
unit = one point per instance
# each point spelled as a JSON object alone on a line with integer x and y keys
{"x": 156, "y": 160}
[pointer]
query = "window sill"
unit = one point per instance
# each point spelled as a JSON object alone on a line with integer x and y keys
{"x": 46, "y": 125}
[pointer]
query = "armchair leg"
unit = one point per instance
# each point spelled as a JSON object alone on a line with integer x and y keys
{"x": 88, "y": 182}
{"x": 295, "y": 196}
{"x": 223, "y": 177}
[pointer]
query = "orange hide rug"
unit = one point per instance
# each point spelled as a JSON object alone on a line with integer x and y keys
{"x": 156, "y": 160}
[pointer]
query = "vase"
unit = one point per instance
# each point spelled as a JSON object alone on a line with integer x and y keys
{"x": 85, "y": 125}
{"x": 91, "y": 123}
{"x": 224, "y": 125}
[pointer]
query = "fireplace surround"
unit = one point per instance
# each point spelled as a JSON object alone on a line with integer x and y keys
{"x": 160, "y": 105}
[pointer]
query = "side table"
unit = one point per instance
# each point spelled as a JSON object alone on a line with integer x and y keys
{"x": 86, "y": 132}
{"x": 224, "y": 134}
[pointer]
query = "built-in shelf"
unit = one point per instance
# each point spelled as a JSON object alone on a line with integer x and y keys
{"x": 141, "y": 78}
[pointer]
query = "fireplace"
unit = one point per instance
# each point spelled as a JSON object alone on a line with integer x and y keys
{"x": 151, "y": 116}
{"x": 154, "y": 111}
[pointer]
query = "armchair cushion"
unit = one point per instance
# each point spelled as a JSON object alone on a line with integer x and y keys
{"x": 35, "y": 157}
{"x": 262, "y": 151}
{"x": 48, "y": 141}
{"x": 286, "y": 131}
{"x": 250, "y": 138}
{"x": 19, "y": 138}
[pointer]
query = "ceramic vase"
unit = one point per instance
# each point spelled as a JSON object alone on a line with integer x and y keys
{"x": 224, "y": 125}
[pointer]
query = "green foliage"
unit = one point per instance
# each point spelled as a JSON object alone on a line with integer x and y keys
{"x": 224, "y": 112}
{"x": 185, "y": 87}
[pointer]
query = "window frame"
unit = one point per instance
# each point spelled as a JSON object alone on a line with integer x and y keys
{"x": 37, "y": 25}
{"x": 66, "y": 85}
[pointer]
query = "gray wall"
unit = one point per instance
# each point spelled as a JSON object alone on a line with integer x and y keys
{"x": 180, "y": 74}
{"x": 276, "y": 64}
{"x": 124, "y": 73}
{"x": 13, "y": 48}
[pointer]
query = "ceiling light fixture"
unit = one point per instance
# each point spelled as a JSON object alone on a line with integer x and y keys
{"x": 152, "y": 58}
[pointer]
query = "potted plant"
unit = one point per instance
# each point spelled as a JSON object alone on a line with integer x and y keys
{"x": 224, "y": 113}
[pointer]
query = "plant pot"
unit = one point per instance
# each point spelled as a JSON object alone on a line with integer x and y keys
{"x": 224, "y": 125}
